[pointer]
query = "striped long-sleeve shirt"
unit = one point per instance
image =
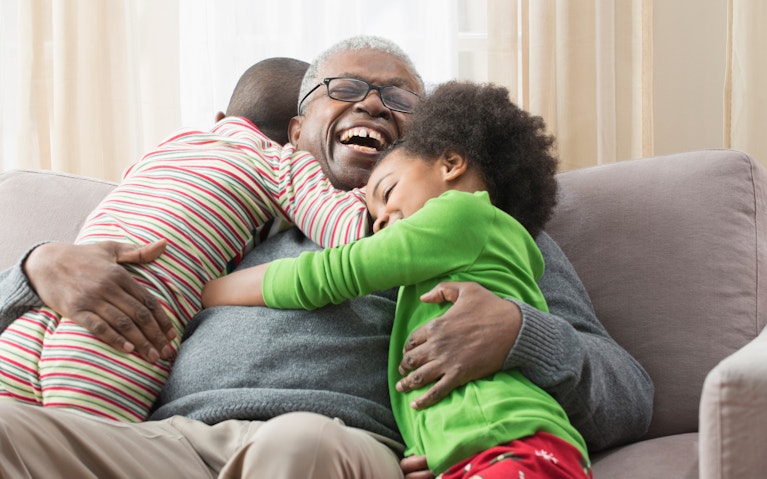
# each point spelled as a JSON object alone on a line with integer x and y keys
{"x": 206, "y": 193}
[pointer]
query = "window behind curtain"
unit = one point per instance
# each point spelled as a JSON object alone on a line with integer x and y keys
{"x": 445, "y": 38}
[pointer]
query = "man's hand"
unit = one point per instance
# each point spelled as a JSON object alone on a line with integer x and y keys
{"x": 415, "y": 467}
{"x": 87, "y": 284}
{"x": 470, "y": 341}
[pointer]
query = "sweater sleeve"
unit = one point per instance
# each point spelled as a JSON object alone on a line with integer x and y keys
{"x": 16, "y": 294}
{"x": 567, "y": 352}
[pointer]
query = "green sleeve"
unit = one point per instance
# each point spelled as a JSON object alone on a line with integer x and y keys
{"x": 445, "y": 235}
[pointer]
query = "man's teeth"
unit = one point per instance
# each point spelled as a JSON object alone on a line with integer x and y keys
{"x": 366, "y": 149}
{"x": 361, "y": 133}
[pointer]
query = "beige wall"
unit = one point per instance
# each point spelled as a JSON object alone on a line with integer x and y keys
{"x": 689, "y": 41}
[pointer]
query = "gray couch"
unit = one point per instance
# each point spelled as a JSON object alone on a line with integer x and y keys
{"x": 673, "y": 251}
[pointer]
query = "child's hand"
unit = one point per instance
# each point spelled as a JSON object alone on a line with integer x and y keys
{"x": 241, "y": 288}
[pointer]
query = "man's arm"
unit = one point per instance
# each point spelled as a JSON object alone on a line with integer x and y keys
{"x": 87, "y": 284}
{"x": 606, "y": 393}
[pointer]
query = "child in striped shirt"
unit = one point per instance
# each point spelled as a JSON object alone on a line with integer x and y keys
{"x": 205, "y": 193}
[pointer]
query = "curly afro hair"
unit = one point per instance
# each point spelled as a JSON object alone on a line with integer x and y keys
{"x": 507, "y": 145}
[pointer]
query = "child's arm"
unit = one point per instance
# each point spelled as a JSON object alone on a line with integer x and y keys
{"x": 326, "y": 215}
{"x": 241, "y": 288}
{"x": 445, "y": 235}
{"x": 290, "y": 184}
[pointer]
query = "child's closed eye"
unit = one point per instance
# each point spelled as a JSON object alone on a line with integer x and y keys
{"x": 387, "y": 193}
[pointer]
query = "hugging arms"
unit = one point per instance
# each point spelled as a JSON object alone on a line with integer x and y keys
{"x": 567, "y": 352}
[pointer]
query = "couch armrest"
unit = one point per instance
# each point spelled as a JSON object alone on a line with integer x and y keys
{"x": 733, "y": 415}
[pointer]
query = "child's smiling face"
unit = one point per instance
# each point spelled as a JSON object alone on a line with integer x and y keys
{"x": 400, "y": 185}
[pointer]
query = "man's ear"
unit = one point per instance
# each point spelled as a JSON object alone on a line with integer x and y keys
{"x": 294, "y": 129}
{"x": 453, "y": 164}
{"x": 220, "y": 116}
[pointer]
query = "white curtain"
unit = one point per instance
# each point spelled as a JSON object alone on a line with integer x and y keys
{"x": 87, "y": 86}
{"x": 219, "y": 40}
{"x": 745, "y": 104}
{"x": 621, "y": 79}
{"x": 585, "y": 67}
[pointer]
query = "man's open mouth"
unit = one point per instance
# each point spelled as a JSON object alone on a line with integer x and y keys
{"x": 363, "y": 139}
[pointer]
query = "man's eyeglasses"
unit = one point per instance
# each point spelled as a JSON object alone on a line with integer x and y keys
{"x": 354, "y": 90}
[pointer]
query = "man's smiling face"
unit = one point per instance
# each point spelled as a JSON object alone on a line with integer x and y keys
{"x": 346, "y": 138}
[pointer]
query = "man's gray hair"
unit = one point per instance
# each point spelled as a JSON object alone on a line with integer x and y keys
{"x": 361, "y": 42}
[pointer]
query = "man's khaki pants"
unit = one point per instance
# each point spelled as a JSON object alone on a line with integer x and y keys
{"x": 49, "y": 443}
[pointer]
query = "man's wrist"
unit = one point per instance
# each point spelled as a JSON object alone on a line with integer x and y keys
{"x": 517, "y": 318}
{"x": 540, "y": 342}
{"x": 29, "y": 262}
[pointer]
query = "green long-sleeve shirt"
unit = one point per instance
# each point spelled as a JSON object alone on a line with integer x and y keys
{"x": 456, "y": 237}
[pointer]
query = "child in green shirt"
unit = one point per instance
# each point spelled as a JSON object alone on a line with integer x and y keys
{"x": 460, "y": 198}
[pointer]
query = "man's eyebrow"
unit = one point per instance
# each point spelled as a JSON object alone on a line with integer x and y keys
{"x": 396, "y": 81}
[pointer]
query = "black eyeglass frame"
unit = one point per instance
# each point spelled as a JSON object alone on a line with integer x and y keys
{"x": 380, "y": 89}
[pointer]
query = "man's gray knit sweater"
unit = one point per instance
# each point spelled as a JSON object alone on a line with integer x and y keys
{"x": 256, "y": 363}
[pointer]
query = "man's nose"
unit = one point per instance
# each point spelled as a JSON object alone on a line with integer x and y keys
{"x": 373, "y": 105}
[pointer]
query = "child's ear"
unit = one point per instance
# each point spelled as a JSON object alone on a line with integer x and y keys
{"x": 294, "y": 129}
{"x": 453, "y": 164}
{"x": 220, "y": 116}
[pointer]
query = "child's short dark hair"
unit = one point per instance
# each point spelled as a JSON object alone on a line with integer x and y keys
{"x": 509, "y": 146}
{"x": 266, "y": 95}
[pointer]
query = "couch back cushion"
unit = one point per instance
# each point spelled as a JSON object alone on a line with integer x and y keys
{"x": 671, "y": 250}
{"x": 43, "y": 205}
